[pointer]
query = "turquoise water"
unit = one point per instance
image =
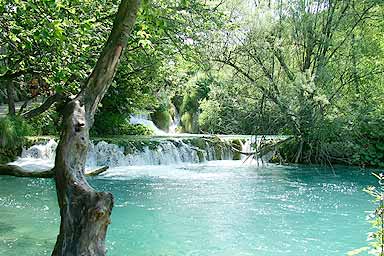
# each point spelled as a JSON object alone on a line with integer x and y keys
{"x": 217, "y": 208}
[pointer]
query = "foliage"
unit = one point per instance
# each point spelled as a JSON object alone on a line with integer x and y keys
{"x": 47, "y": 123}
{"x": 376, "y": 218}
{"x": 54, "y": 42}
{"x": 162, "y": 119}
{"x": 369, "y": 148}
{"x": 163, "y": 55}
{"x": 304, "y": 68}
{"x": 110, "y": 123}
{"x": 12, "y": 132}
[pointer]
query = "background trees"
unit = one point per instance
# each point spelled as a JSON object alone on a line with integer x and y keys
{"x": 307, "y": 68}
{"x": 311, "y": 63}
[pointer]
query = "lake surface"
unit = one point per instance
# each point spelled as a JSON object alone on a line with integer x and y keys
{"x": 215, "y": 208}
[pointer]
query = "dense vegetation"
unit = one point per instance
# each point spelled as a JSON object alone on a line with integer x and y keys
{"x": 311, "y": 69}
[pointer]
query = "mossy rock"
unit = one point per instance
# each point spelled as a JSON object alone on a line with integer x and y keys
{"x": 186, "y": 121}
{"x": 162, "y": 119}
{"x": 153, "y": 144}
{"x": 198, "y": 142}
{"x": 200, "y": 154}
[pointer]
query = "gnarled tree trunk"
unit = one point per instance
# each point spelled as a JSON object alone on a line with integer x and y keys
{"x": 85, "y": 213}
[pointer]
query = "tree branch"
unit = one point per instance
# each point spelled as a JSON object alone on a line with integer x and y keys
{"x": 45, "y": 106}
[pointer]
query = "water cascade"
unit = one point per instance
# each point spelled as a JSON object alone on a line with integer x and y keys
{"x": 164, "y": 151}
{"x": 175, "y": 123}
{"x": 145, "y": 120}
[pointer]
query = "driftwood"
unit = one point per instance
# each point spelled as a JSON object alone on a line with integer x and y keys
{"x": 17, "y": 171}
{"x": 264, "y": 149}
{"x": 96, "y": 172}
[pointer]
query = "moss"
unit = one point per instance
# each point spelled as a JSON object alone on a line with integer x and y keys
{"x": 198, "y": 142}
{"x": 162, "y": 119}
{"x": 200, "y": 154}
{"x": 186, "y": 121}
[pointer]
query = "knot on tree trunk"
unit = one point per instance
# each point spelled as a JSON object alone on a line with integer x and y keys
{"x": 103, "y": 207}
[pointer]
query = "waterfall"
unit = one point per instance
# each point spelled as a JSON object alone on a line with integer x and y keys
{"x": 145, "y": 120}
{"x": 175, "y": 122}
{"x": 44, "y": 151}
{"x": 152, "y": 152}
{"x": 38, "y": 157}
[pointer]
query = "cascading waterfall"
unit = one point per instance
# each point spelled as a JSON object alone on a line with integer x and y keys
{"x": 163, "y": 152}
{"x": 175, "y": 123}
{"x": 38, "y": 157}
{"x": 167, "y": 152}
{"x": 145, "y": 120}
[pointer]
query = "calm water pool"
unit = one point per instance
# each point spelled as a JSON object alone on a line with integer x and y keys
{"x": 217, "y": 208}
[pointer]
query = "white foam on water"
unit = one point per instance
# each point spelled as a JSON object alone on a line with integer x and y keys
{"x": 186, "y": 171}
{"x": 166, "y": 152}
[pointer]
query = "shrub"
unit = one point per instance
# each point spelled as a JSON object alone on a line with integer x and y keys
{"x": 12, "y": 132}
{"x": 162, "y": 119}
{"x": 107, "y": 123}
{"x": 376, "y": 218}
{"x": 47, "y": 123}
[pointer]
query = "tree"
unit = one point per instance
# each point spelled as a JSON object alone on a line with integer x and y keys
{"x": 49, "y": 47}
{"x": 291, "y": 53}
{"x": 85, "y": 213}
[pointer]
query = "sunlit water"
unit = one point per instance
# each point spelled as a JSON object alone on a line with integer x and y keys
{"x": 217, "y": 208}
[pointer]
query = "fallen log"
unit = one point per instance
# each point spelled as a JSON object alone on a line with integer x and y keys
{"x": 17, "y": 171}
{"x": 96, "y": 171}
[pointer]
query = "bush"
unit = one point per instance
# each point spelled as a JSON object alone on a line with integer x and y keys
{"x": 134, "y": 129}
{"x": 12, "y": 132}
{"x": 107, "y": 123}
{"x": 369, "y": 142}
{"x": 47, "y": 123}
{"x": 210, "y": 117}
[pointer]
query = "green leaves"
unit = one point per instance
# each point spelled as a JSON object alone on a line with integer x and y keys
{"x": 54, "y": 40}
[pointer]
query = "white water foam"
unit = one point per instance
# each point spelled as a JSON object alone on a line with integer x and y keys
{"x": 166, "y": 152}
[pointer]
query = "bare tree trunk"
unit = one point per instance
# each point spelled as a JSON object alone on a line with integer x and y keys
{"x": 85, "y": 213}
{"x": 11, "y": 97}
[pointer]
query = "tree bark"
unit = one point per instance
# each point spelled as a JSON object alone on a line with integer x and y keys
{"x": 85, "y": 213}
{"x": 11, "y": 97}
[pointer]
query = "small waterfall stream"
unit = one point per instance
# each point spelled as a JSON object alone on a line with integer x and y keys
{"x": 145, "y": 120}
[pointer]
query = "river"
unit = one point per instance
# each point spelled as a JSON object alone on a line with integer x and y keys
{"x": 203, "y": 209}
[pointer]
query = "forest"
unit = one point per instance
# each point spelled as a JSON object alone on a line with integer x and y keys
{"x": 203, "y": 74}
